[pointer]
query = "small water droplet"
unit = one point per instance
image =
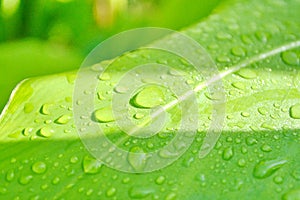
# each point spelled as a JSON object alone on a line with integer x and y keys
{"x": 28, "y": 107}
{"x": 171, "y": 196}
{"x": 74, "y": 159}
{"x": 242, "y": 162}
{"x": 138, "y": 115}
{"x": 267, "y": 167}
{"x": 140, "y": 192}
{"x": 223, "y": 59}
{"x": 262, "y": 110}
{"x": 63, "y": 119}
{"x": 238, "y": 51}
{"x": 247, "y": 73}
{"x": 228, "y": 153}
{"x": 103, "y": 115}
{"x": 45, "y": 109}
{"x": 278, "y": 179}
{"x": 39, "y": 167}
{"x": 25, "y": 179}
{"x": 111, "y": 192}
{"x": 160, "y": 180}
{"x": 251, "y": 141}
{"x": 266, "y": 148}
{"x": 295, "y": 111}
{"x": 104, "y": 77}
{"x": 239, "y": 85}
{"x": 91, "y": 165}
{"x": 10, "y": 175}
{"x": 56, "y": 180}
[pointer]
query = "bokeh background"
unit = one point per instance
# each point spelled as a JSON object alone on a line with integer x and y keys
{"x": 39, "y": 37}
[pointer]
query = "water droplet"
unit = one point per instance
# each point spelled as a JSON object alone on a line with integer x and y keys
{"x": 238, "y": 51}
{"x": 3, "y": 190}
{"x": 251, "y": 141}
{"x": 223, "y": 59}
{"x": 160, "y": 180}
{"x": 267, "y": 126}
{"x": 293, "y": 194}
{"x": 25, "y": 179}
{"x": 245, "y": 114}
{"x": 278, "y": 179}
{"x": 148, "y": 97}
{"x": 28, "y": 107}
{"x": 74, "y": 159}
{"x": 227, "y": 153}
{"x": 140, "y": 192}
{"x": 267, "y": 167}
{"x": 266, "y": 148}
{"x": 10, "y": 175}
{"x": 104, "y": 77}
{"x": 63, "y": 119}
{"x": 262, "y": 36}
{"x": 121, "y": 89}
{"x": 242, "y": 162}
{"x": 247, "y": 73}
{"x": 171, "y": 196}
{"x": 45, "y": 109}
{"x": 223, "y": 36}
{"x": 27, "y": 131}
{"x": 91, "y": 165}
{"x": 111, "y": 192}
{"x": 46, "y": 132}
{"x": 295, "y": 111}
{"x": 262, "y": 110}
{"x": 137, "y": 158}
{"x": 103, "y": 115}
{"x": 56, "y": 180}
{"x": 138, "y": 116}
{"x": 290, "y": 58}
{"x": 39, "y": 167}
{"x": 239, "y": 85}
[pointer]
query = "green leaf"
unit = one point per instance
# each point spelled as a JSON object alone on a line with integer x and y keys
{"x": 256, "y": 157}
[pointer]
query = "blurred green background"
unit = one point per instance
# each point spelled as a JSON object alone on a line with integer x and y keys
{"x": 39, "y": 37}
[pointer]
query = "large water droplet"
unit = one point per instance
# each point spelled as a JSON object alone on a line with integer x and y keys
{"x": 39, "y": 167}
{"x": 91, "y": 165}
{"x": 290, "y": 58}
{"x": 46, "y": 132}
{"x": 103, "y": 115}
{"x": 295, "y": 111}
{"x": 137, "y": 158}
{"x": 267, "y": 167}
{"x": 148, "y": 97}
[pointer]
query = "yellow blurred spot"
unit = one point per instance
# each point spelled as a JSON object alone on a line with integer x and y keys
{"x": 9, "y": 7}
